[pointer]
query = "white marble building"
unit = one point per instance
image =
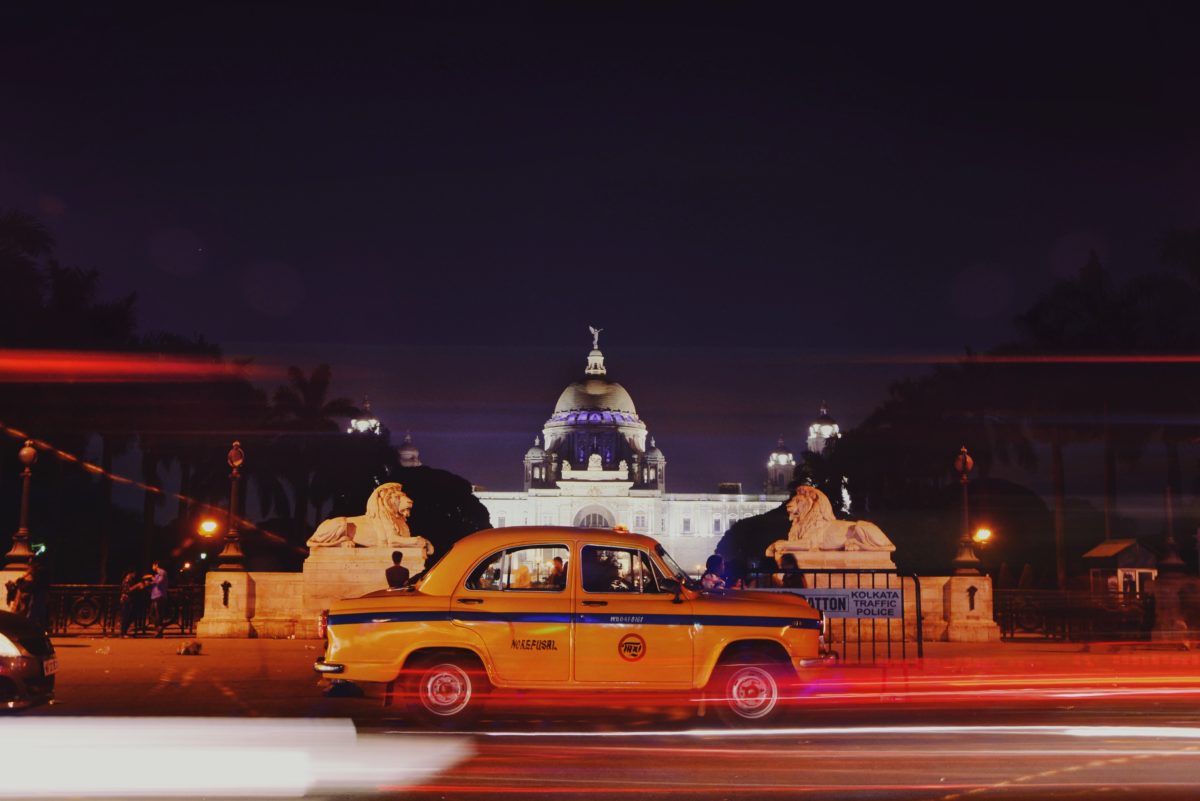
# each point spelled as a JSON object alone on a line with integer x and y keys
{"x": 596, "y": 465}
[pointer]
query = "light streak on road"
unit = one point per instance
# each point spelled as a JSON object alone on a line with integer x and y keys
{"x": 211, "y": 758}
{"x": 935, "y": 762}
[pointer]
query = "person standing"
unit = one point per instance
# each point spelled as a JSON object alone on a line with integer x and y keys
{"x": 397, "y": 574}
{"x": 131, "y": 585}
{"x": 39, "y": 593}
{"x": 158, "y": 598}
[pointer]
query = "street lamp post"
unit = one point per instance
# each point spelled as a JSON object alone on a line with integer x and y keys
{"x": 1171, "y": 561}
{"x": 966, "y": 563}
{"x": 231, "y": 557}
{"x": 20, "y": 554}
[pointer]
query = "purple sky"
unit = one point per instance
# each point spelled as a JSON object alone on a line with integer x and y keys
{"x": 439, "y": 198}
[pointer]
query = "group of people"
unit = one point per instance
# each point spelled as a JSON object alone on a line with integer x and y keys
{"x": 144, "y": 597}
{"x": 715, "y": 577}
{"x": 29, "y": 594}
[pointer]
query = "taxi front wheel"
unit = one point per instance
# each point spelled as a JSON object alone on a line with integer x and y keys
{"x": 446, "y": 692}
{"x": 748, "y": 694}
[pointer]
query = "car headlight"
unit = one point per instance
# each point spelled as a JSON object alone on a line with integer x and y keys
{"x": 8, "y": 647}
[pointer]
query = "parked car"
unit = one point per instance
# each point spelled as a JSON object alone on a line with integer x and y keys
{"x": 27, "y": 663}
{"x": 573, "y": 612}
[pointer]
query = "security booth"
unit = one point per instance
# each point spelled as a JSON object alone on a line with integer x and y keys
{"x": 1120, "y": 566}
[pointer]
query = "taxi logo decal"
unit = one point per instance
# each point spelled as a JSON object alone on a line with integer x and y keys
{"x": 534, "y": 645}
{"x": 631, "y": 647}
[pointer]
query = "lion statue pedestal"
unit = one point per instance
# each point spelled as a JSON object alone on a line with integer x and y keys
{"x": 348, "y": 555}
{"x": 347, "y": 558}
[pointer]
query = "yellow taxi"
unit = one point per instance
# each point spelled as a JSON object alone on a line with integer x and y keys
{"x": 569, "y": 610}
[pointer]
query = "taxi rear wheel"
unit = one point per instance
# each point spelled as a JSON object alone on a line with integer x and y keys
{"x": 748, "y": 694}
{"x": 446, "y": 692}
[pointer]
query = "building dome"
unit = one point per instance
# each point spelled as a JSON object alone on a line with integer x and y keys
{"x": 594, "y": 428}
{"x": 409, "y": 455}
{"x": 781, "y": 455}
{"x": 654, "y": 454}
{"x": 535, "y": 453}
{"x": 823, "y": 431}
{"x": 595, "y": 395}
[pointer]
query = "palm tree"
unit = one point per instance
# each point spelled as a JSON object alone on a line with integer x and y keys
{"x": 303, "y": 409}
{"x": 1079, "y": 402}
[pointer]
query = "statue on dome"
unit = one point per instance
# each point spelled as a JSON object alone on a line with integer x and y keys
{"x": 385, "y": 524}
{"x": 595, "y": 337}
{"x": 814, "y": 528}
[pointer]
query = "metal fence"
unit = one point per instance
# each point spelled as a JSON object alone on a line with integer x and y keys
{"x": 865, "y": 611}
{"x": 1070, "y": 615}
{"x": 95, "y": 610}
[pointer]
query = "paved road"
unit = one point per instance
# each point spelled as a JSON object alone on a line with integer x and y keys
{"x": 1034, "y": 721}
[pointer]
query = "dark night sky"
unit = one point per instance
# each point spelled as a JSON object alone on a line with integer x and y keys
{"x": 439, "y": 198}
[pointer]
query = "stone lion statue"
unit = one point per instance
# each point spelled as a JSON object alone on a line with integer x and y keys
{"x": 814, "y": 528}
{"x": 385, "y": 525}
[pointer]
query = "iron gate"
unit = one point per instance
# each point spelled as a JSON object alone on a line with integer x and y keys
{"x": 95, "y": 609}
{"x": 861, "y": 638}
{"x": 1072, "y": 615}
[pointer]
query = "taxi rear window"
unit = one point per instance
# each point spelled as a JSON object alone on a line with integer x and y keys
{"x": 528, "y": 568}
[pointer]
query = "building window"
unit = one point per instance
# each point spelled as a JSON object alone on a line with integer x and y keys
{"x": 639, "y": 522}
{"x": 717, "y": 525}
{"x": 595, "y": 520}
{"x": 500, "y": 522}
{"x": 687, "y": 525}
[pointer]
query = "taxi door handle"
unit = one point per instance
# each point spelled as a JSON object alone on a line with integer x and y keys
{"x": 470, "y": 600}
{"x": 595, "y": 603}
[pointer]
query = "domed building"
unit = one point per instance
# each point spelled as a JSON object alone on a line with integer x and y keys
{"x": 596, "y": 464}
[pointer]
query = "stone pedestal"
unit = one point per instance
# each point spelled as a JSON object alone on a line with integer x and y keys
{"x": 838, "y": 560}
{"x": 334, "y": 573}
{"x": 229, "y": 604}
{"x": 967, "y": 604}
{"x": 1176, "y": 607}
{"x": 278, "y": 605}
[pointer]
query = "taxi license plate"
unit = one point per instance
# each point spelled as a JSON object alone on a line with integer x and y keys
{"x": 50, "y": 666}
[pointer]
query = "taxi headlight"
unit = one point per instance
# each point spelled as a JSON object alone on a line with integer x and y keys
{"x": 8, "y": 647}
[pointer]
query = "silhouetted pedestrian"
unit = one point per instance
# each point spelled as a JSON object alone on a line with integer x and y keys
{"x": 397, "y": 574}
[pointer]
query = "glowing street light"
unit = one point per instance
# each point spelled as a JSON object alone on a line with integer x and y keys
{"x": 208, "y": 527}
{"x": 983, "y": 536}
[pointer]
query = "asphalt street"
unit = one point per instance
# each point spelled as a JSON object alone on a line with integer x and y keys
{"x": 1033, "y": 720}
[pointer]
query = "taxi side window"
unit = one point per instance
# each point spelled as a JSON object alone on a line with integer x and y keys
{"x": 617, "y": 570}
{"x": 541, "y": 567}
{"x": 528, "y": 568}
{"x": 489, "y": 574}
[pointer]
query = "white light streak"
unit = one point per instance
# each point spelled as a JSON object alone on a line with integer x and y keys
{"x": 211, "y": 757}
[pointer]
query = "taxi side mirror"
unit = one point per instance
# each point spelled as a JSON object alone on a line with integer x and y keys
{"x": 673, "y": 586}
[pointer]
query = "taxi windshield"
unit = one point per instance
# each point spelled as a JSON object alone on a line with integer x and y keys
{"x": 676, "y": 571}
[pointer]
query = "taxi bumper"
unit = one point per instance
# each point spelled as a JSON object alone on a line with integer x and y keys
{"x": 321, "y": 666}
{"x": 821, "y": 660}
